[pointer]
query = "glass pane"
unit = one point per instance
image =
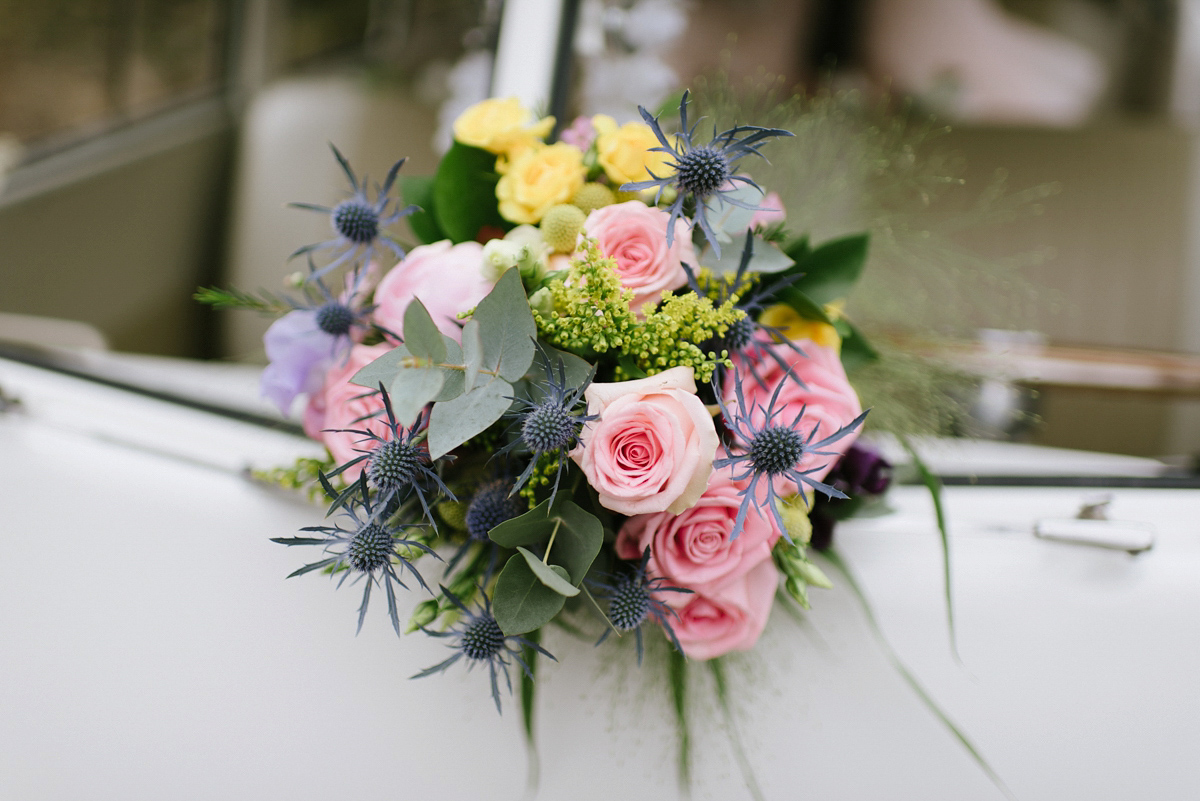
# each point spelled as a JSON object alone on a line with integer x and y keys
{"x": 69, "y": 67}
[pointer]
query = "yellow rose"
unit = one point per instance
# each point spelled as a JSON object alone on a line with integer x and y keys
{"x": 793, "y": 326}
{"x": 501, "y": 125}
{"x": 537, "y": 179}
{"x": 624, "y": 152}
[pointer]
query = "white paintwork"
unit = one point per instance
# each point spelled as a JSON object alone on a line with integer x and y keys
{"x": 525, "y": 53}
{"x": 152, "y": 650}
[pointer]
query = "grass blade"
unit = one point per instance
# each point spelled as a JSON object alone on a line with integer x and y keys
{"x": 836, "y": 562}
{"x": 677, "y": 669}
{"x": 718, "y": 670}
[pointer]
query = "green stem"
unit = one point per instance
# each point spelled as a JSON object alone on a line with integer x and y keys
{"x": 718, "y": 670}
{"x": 596, "y": 604}
{"x": 557, "y": 524}
{"x": 528, "y": 695}
{"x": 677, "y": 672}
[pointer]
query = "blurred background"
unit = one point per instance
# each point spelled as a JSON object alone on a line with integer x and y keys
{"x": 148, "y": 147}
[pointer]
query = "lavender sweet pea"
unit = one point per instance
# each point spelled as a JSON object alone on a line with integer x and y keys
{"x": 300, "y": 352}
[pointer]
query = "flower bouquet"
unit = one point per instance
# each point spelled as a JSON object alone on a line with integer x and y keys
{"x": 608, "y": 387}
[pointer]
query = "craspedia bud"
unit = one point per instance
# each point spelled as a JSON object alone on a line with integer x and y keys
{"x": 593, "y": 196}
{"x": 561, "y": 227}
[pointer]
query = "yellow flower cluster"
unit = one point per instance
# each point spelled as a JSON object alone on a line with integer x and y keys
{"x": 793, "y": 326}
{"x": 501, "y": 125}
{"x": 591, "y": 316}
{"x": 625, "y": 152}
{"x": 537, "y": 179}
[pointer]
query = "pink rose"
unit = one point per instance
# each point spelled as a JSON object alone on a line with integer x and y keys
{"x": 692, "y": 549}
{"x": 771, "y": 212}
{"x": 340, "y": 404}
{"x": 635, "y": 235}
{"x": 447, "y": 278}
{"x": 651, "y": 450}
{"x": 828, "y": 400}
{"x": 730, "y": 620}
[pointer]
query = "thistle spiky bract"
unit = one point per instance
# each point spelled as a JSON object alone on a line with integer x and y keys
{"x": 367, "y": 550}
{"x": 358, "y": 222}
{"x": 632, "y": 602}
{"x": 774, "y": 451}
{"x": 704, "y": 173}
{"x": 477, "y": 636}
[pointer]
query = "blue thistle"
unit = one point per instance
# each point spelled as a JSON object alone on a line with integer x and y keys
{"x": 492, "y": 504}
{"x": 551, "y": 424}
{"x": 704, "y": 173}
{"x": 366, "y": 550}
{"x": 478, "y": 637}
{"x": 774, "y": 450}
{"x": 632, "y": 603}
{"x": 358, "y": 222}
{"x": 398, "y": 464}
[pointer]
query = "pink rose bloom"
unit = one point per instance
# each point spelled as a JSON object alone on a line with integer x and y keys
{"x": 771, "y": 212}
{"x": 651, "y": 448}
{"x": 635, "y": 235}
{"x": 828, "y": 400}
{"x": 340, "y": 404}
{"x": 730, "y": 620}
{"x": 447, "y": 278}
{"x": 692, "y": 549}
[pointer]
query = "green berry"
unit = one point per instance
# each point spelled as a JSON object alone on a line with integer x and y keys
{"x": 593, "y": 196}
{"x": 561, "y": 227}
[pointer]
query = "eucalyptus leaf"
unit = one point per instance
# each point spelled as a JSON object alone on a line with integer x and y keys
{"x": 452, "y": 379}
{"x": 383, "y": 369}
{"x": 578, "y": 534}
{"x": 472, "y": 349}
{"x": 506, "y": 328}
{"x": 732, "y": 221}
{"x": 411, "y": 389}
{"x": 531, "y": 528}
{"x": 464, "y": 193}
{"x": 453, "y": 422}
{"x": 767, "y": 258}
{"x": 552, "y": 576}
{"x": 421, "y": 334}
{"x": 520, "y": 601}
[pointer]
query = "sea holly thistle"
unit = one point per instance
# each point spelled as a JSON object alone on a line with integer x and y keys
{"x": 397, "y": 464}
{"x": 774, "y": 451}
{"x": 477, "y": 636}
{"x": 367, "y": 550}
{"x": 358, "y": 222}
{"x": 705, "y": 173}
{"x": 551, "y": 424}
{"x": 632, "y": 603}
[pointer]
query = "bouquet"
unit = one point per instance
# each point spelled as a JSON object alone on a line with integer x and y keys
{"x": 609, "y": 385}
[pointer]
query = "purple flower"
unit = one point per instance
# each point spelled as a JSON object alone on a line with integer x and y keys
{"x": 863, "y": 471}
{"x": 300, "y": 353}
{"x": 581, "y": 134}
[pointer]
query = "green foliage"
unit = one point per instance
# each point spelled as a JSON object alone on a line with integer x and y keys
{"x": 831, "y": 270}
{"x": 592, "y": 316}
{"x": 263, "y": 302}
{"x": 300, "y": 476}
{"x": 506, "y": 328}
{"x": 418, "y": 190}
{"x": 464, "y": 193}
{"x": 531, "y": 591}
{"x": 799, "y": 572}
{"x": 457, "y": 420}
{"x": 856, "y": 350}
{"x": 421, "y": 334}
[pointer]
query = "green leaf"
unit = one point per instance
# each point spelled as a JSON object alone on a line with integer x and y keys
{"x": 797, "y": 249}
{"x": 464, "y": 193}
{"x": 842, "y": 568}
{"x": 472, "y": 348}
{"x": 856, "y": 350}
{"x": 530, "y": 655}
{"x": 831, "y": 270}
{"x": 418, "y": 190}
{"x": 521, "y": 602}
{"x": 732, "y": 221}
{"x": 531, "y": 528}
{"x": 677, "y": 673}
{"x": 934, "y": 485}
{"x": 384, "y": 369}
{"x": 552, "y": 576}
{"x": 506, "y": 327}
{"x": 453, "y": 422}
{"x": 578, "y": 534}
{"x": 805, "y": 306}
{"x": 452, "y": 379}
{"x": 766, "y": 258}
{"x": 411, "y": 389}
{"x": 421, "y": 334}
